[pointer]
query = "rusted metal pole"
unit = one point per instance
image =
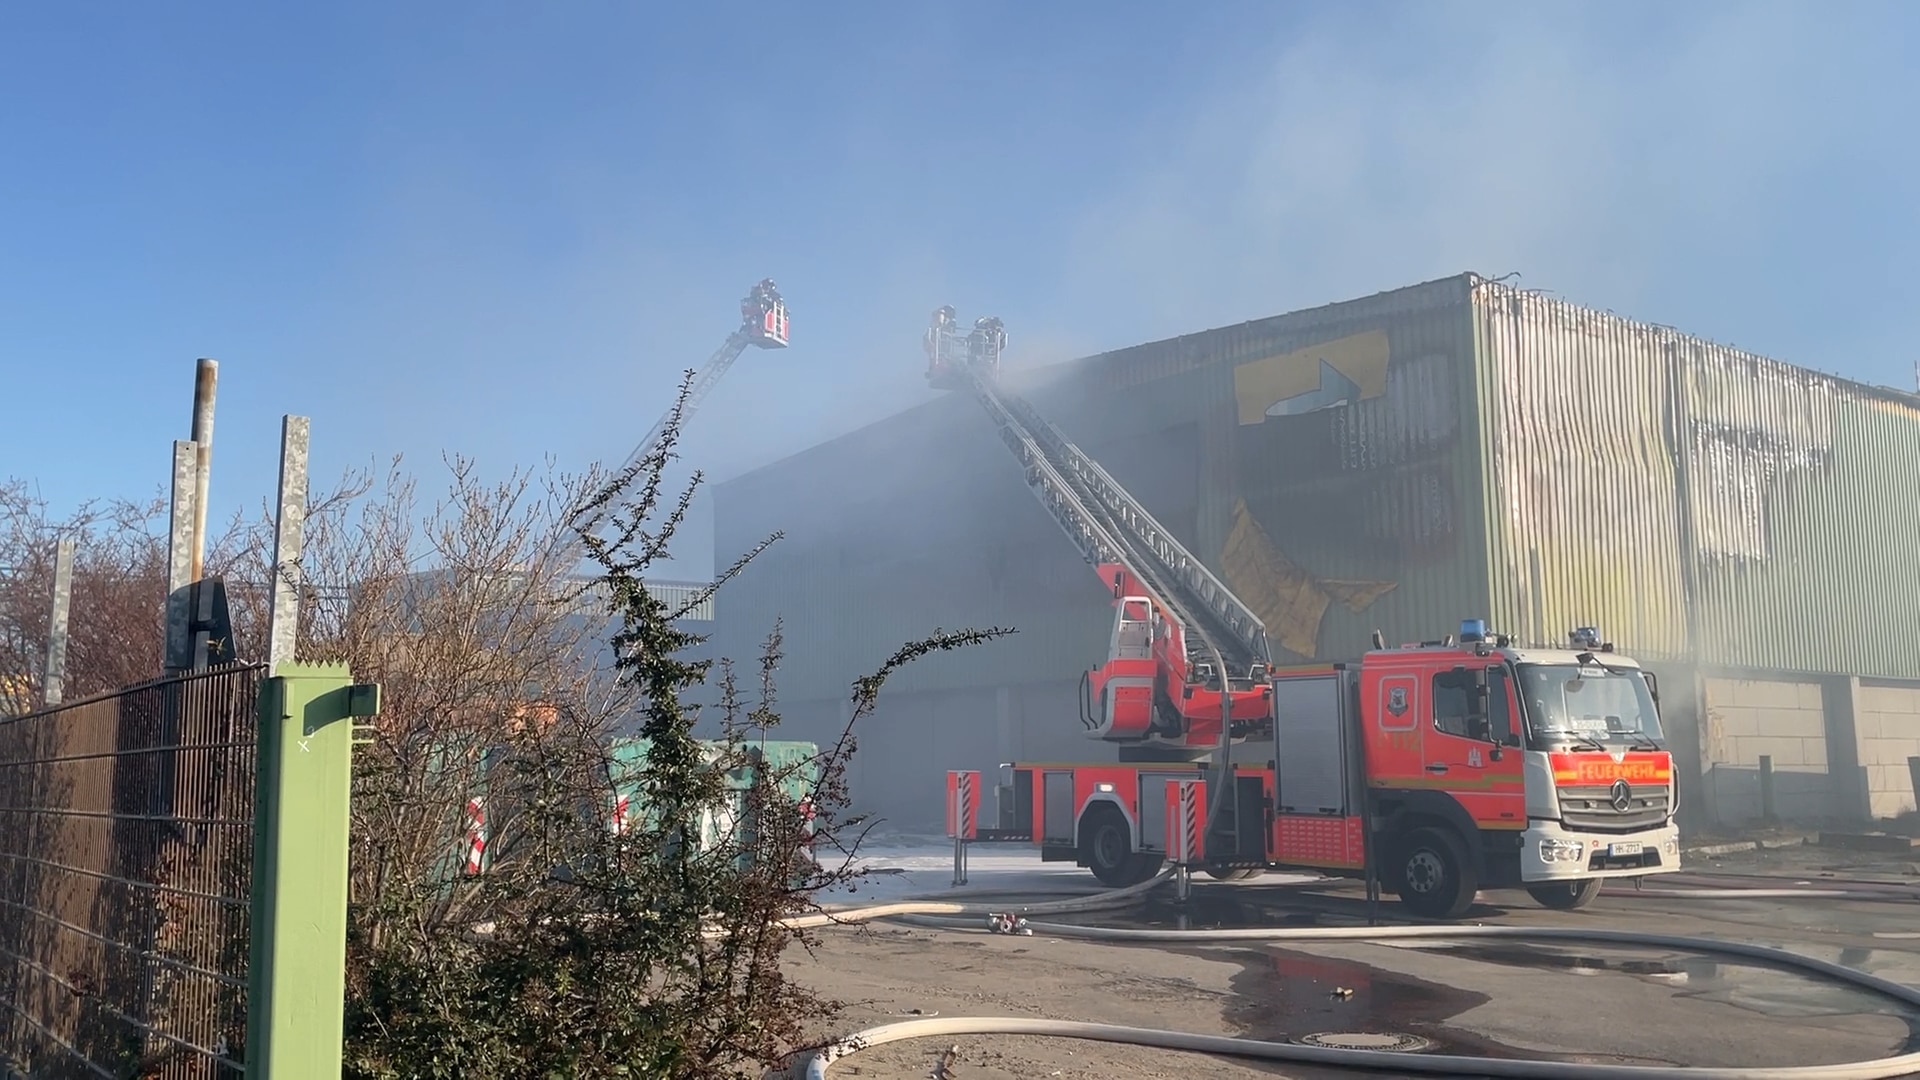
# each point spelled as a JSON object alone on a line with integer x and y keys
{"x": 205, "y": 378}
{"x": 57, "y": 625}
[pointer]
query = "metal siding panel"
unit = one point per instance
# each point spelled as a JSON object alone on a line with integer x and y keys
{"x": 1699, "y": 502}
{"x": 1363, "y": 515}
{"x": 1805, "y": 517}
{"x": 1584, "y": 509}
{"x": 1159, "y": 360}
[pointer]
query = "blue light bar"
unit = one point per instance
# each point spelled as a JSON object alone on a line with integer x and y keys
{"x": 1473, "y": 630}
{"x": 1586, "y": 637}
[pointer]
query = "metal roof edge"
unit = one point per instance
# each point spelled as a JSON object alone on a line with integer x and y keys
{"x": 1120, "y": 355}
{"x": 1483, "y": 286}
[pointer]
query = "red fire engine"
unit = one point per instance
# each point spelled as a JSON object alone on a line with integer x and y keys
{"x": 1436, "y": 768}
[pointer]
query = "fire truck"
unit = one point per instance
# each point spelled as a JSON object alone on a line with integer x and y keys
{"x": 1432, "y": 769}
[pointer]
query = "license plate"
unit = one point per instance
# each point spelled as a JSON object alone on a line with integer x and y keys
{"x": 1631, "y": 847}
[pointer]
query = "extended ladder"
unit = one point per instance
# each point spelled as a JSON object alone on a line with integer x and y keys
{"x": 763, "y": 323}
{"x": 1106, "y": 522}
{"x": 1110, "y": 527}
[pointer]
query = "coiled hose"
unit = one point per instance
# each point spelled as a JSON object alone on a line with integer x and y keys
{"x": 814, "y": 1064}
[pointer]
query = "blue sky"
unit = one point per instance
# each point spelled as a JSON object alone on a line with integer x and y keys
{"x": 503, "y": 230}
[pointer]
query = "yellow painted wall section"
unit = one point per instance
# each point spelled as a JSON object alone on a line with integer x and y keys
{"x": 1352, "y": 368}
{"x": 1288, "y": 600}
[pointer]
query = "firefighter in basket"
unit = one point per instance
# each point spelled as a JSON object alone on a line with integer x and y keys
{"x": 989, "y": 338}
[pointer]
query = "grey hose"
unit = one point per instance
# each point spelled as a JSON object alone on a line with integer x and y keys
{"x": 930, "y": 906}
{"x": 813, "y": 1065}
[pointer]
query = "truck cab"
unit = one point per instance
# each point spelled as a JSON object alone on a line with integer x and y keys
{"x": 1490, "y": 765}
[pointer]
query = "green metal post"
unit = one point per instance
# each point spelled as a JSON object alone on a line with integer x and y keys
{"x": 296, "y": 955}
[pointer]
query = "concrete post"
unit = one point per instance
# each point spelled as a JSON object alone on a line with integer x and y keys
{"x": 57, "y": 623}
{"x": 289, "y": 525}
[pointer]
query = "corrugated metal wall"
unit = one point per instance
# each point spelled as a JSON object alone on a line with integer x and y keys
{"x": 1323, "y": 462}
{"x": 1700, "y": 503}
{"x": 1583, "y": 506}
{"x": 1343, "y": 488}
{"x": 1402, "y": 461}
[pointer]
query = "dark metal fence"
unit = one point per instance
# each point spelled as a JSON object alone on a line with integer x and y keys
{"x": 126, "y": 842}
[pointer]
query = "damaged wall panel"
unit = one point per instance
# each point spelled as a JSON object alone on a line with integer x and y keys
{"x": 1815, "y": 532}
{"x": 1697, "y": 502}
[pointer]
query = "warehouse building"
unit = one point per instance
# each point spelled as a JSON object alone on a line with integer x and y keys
{"x": 1459, "y": 448}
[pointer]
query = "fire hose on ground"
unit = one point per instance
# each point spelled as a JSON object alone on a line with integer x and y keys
{"x": 814, "y": 1064}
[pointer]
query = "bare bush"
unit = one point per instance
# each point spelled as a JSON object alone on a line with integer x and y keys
{"x": 644, "y": 944}
{"x": 116, "y": 625}
{"x": 598, "y": 937}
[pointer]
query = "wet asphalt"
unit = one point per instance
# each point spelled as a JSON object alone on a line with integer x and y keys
{"x": 1561, "y": 1003}
{"x": 1506, "y": 999}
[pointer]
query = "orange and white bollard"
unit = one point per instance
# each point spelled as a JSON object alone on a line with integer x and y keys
{"x": 1184, "y": 840}
{"x": 476, "y": 836}
{"x": 963, "y": 816}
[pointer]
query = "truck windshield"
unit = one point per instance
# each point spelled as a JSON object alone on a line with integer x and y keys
{"x": 1567, "y": 703}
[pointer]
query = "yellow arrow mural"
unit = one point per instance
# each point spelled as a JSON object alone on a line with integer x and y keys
{"x": 1347, "y": 369}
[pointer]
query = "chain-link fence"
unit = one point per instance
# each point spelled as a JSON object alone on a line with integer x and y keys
{"x": 126, "y": 843}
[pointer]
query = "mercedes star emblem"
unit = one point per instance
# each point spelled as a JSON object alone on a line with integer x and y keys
{"x": 1621, "y": 796}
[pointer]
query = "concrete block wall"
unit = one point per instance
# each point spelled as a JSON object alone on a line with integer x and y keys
{"x": 1786, "y": 720}
{"x": 1886, "y": 719}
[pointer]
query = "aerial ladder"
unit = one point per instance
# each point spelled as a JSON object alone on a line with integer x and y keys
{"x": 1193, "y": 628}
{"x": 763, "y": 324}
{"x": 1186, "y": 671}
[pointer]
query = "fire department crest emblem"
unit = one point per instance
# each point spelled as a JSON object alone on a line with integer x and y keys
{"x": 1397, "y": 701}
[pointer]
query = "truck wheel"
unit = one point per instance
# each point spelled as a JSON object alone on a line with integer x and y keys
{"x": 1437, "y": 880}
{"x": 1565, "y": 895}
{"x": 1145, "y": 865}
{"x": 1106, "y": 845}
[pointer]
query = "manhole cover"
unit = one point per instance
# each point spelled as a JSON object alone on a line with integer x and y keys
{"x": 1366, "y": 1040}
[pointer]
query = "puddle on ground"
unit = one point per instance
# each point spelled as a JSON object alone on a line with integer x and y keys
{"x": 1282, "y": 995}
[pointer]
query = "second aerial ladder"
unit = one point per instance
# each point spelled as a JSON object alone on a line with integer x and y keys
{"x": 763, "y": 324}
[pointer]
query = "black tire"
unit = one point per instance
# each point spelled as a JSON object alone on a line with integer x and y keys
{"x": 1245, "y": 873}
{"x": 1436, "y": 879}
{"x": 1145, "y": 865}
{"x": 1565, "y": 895}
{"x": 1106, "y": 846}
